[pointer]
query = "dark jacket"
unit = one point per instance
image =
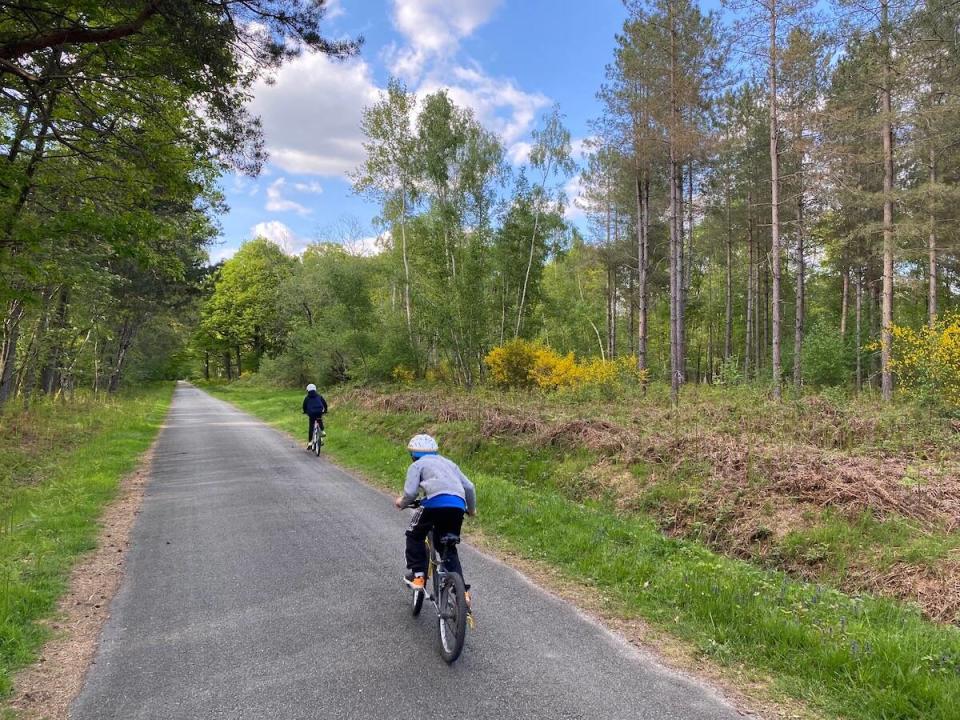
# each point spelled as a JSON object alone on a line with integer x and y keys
{"x": 314, "y": 405}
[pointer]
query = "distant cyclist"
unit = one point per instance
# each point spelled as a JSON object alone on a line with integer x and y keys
{"x": 315, "y": 407}
{"x": 447, "y": 495}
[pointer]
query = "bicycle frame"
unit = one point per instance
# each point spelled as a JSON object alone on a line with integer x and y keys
{"x": 436, "y": 570}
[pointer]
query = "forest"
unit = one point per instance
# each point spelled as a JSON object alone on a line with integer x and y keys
{"x": 768, "y": 194}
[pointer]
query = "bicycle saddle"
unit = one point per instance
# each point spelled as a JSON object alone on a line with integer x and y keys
{"x": 450, "y": 539}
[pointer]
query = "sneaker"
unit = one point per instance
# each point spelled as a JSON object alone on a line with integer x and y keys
{"x": 469, "y": 600}
{"x": 323, "y": 433}
{"x": 415, "y": 582}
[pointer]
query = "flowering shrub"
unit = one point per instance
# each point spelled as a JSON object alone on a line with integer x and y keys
{"x": 927, "y": 361}
{"x": 511, "y": 364}
{"x": 524, "y": 364}
{"x": 403, "y": 374}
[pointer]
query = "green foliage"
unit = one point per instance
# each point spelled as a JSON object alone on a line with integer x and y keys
{"x": 60, "y": 463}
{"x": 826, "y": 357}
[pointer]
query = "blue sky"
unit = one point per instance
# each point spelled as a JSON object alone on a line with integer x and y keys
{"x": 509, "y": 60}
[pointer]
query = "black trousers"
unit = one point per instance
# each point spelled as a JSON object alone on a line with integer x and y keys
{"x": 441, "y": 521}
{"x": 318, "y": 418}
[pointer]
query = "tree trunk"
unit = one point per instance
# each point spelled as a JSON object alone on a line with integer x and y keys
{"x": 799, "y": 299}
{"x": 886, "y": 333}
{"x": 844, "y": 302}
{"x": 858, "y": 338}
{"x": 932, "y": 247}
{"x": 8, "y": 348}
{"x": 775, "y": 202}
{"x": 50, "y": 374}
{"x": 751, "y": 299}
{"x": 406, "y": 269}
{"x": 676, "y": 237}
{"x": 239, "y": 366}
{"x": 227, "y": 364}
{"x": 643, "y": 202}
{"x": 124, "y": 339}
{"x": 533, "y": 240}
{"x": 728, "y": 307}
{"x": 206, "y": 364}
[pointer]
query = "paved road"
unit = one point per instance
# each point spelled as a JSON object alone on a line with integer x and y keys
{"x": 263, "y": 583}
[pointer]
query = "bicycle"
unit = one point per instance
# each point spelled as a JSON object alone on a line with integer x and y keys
{"x": 316, "y": 438}
{"x": 448, "y": 595}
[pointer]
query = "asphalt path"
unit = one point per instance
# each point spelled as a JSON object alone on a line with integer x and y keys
{"x": 263, "y": 583}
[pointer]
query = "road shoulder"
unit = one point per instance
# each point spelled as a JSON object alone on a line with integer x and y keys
{"x": 46, "y": 688}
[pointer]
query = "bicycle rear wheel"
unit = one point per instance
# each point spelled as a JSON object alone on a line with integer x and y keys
{"x": 452, "y": 616}
{"x": 316, "y": 440}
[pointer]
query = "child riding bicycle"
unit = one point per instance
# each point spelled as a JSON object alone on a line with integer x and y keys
{"x": 447, "y": 495}
{"x": 314, "y": 407}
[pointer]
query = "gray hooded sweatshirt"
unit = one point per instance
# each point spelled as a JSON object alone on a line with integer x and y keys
{"x": 438, "y": 476}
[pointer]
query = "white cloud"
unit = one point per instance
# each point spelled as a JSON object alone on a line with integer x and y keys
{"x": 497, "y": 102}
{"x": 222, "y": 253}
{"x": 334, "y": 9}
{"x": 312, "y": 109}
{"x": 312, "y": 187}
{"x": 433, "y": 29}
{"x": 311, "y": 114}
{"x": 281, "y": 235}
{"x": 519, "y": 152}
{"x": 579, "y": 147}
{"x": 366, "y": 246}
{"x": 574, "y": 208}
{"x": 277, "y": 203}
{"x": 244, "y": 185}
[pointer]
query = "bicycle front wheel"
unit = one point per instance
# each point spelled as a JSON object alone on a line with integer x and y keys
{"x": 452, "y": 616}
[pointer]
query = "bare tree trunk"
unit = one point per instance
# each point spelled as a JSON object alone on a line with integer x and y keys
{"x": 533, "y": 240}
{"x": 932, "y": 247}
{"x": 675, "y": 180}
{"x": 686, "y": 263}
{"x": 206, "y": 364}
{"x": 728, "y": 308}
{"x": 124, "y": 339}
{"x": 858, "y": 338}
{"x": 775, "y": 202}
{"x": 751, "y": 297}
{"x": 764, "y": 334}
{"x": 8, "y": 349}
{"x": 406, "y": 269}
{"x": 844, "y": 302}
{"x": 643, "y": 202}
{"x": 799, "y": 299}
{"x": 613, "y": 286}
{"x": 227, "y": 364}
{"x": 607, "y": 262}
{"x": 886, "y": 333}
{"x": 50, "y": 374}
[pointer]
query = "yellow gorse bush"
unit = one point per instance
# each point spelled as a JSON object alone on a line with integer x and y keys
{"x": 928, "y": 360}
{"x": 524, "y": 364}
{"x": 403, "y": 374}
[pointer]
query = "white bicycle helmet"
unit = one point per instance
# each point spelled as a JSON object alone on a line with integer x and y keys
{"x": 421, "y": 445}
{"x": 311, "y": 387}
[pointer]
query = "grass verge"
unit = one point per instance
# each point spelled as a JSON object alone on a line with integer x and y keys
{"x": 856, "y": 657}
{"x": 60, "y": 463}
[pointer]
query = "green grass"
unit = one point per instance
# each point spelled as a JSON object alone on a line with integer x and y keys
{"x": 60, "y": 463}
{"x": 854, "y": 657}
